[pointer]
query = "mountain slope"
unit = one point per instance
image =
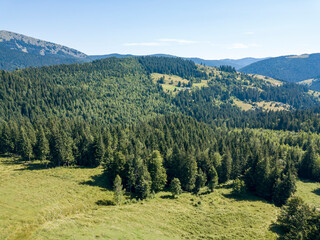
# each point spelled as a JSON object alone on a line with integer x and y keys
{"x": 20, "y": 51}
{"x": 122, "y": 90}
{"x": 287, "y": 68}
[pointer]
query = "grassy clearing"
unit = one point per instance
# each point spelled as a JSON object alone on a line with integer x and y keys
{"x": 244, "y": 106}
{"x": 65, "y": 203}
{"x": 171, "y": 82}
{"x": 268, "y": 79}
{"x": 267, "y": 106}
{"x": 309, "y": 191}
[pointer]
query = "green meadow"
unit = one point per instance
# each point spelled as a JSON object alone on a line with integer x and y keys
{"x": 73, "y": 203}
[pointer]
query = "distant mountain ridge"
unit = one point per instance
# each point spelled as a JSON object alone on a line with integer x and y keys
{"x": 236, "y": 63}
{"x": 293, "y": 68}
{"x": 26, "y": 44}
{"x": 20, "y": 51}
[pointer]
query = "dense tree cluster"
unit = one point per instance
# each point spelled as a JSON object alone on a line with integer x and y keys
{"x": 147, "y": 156}
{"x": 175, "y": 66}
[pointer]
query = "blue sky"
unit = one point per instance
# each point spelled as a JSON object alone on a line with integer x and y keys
{"x": 189, "y": 28}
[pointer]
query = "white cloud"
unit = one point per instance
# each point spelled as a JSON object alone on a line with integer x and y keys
{"x": 248, "y": 33}
{"x": 144, "y": 44}
{"x": 174, "y": 40}
{"x": 161, "y": 42}
{"x": 243, "y": 46}
{"x": 239, "y": 46}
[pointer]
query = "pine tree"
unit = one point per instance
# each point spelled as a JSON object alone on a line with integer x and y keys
{"x": 284, "y": 187}
{"x": 157, "y": 171}
{"x": 41, "y": 149}
{"x": 25, "y": 145}
{"x": 200, "y": 181}
{"x": 226, "y": 167}
{"x": 175, "y": 187}
{"x": 118, "y": 190}
{"x": 6, "y": 144}
{"x": 97, "y": 151}
{"x": 143, "y": 184}
{"x": 213, "y": 180}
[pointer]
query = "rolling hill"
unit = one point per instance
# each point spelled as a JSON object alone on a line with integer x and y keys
{"x": 287, "y": 68}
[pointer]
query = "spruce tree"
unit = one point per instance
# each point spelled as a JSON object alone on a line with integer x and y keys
{"x": 118, "y": 190}
{"x": 25, "y": 146}
{"x": 41, "y": 149}
{"x": 226, "y": 167}
{"x": 175, "y": 187}
{"x": 213, "y": 180}
{"x": 157, "y": 171}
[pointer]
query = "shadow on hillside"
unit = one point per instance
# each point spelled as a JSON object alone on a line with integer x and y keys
{"x": 275, "y": 228}
{"x": 316, "y": 191}
{"x": 105, "y": 203}
{"x": 98, "y": 181}
{"x": 169, "y": 196}
{"x": 25, "y": 165}
{"x": 245, "y": 197}
{"x": 33, "y": 166}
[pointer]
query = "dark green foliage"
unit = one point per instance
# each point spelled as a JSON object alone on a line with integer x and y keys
{"x": 213, "y": 179}
{"x": 6, "y": 141}
{"x": 41, "y": 149}
{"x": 299, "y": 221}
{"x": 226, "y": 68}
{"x": 24, "y": 145}
{"x": 283, "y": 188}
{"x": 97, "y": 151}
{"x": 201, "y": 180}
{"x": 310, "y": 164}
{"x": 143, "y": 183}
{"x": 226, "y": 167}
{"x": 175, "y": 187}
{"x": 157, "y": 171}
{"x": 175, "y": 66}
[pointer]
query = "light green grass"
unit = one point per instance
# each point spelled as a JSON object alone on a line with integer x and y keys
{"x": 62, "y": 203}
{"x": 309, "y": 191}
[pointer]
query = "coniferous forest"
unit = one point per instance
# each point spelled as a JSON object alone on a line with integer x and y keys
{"x": 110, "y": 113}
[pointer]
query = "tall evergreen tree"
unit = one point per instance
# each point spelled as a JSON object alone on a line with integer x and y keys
{"x": 118, "y": 190}
{"x": 157, "y": 171}
{"x": 41, "y": 149}
{"x": 226, "y": 167}
{"x": 25, "y": 146}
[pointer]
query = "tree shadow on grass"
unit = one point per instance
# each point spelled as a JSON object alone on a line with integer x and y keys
{"x": 25, "y": 165}
{"x": 245, "y": 197}
{"x": 276, "y": 228}
{"x": 100, "y": 180}
{"x": 169, "y": 196}
{"x": 105, "y": 203}
{"x": 316, "y": 191}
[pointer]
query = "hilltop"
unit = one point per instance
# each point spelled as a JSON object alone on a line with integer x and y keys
{"x": 293, "y": 68}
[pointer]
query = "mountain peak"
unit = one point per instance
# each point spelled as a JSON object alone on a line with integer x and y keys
{"x": 19, "y": 42}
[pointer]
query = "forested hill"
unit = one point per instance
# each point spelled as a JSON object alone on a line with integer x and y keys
{"x": 124, "y": 90}
{"x": 287, "y": 68}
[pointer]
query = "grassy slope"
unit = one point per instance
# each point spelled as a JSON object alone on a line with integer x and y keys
{"x": 62, "y": 203}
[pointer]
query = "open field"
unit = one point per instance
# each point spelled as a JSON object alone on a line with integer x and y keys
{"x": 70, "y": 203}
{"x": 267, "y": 106}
